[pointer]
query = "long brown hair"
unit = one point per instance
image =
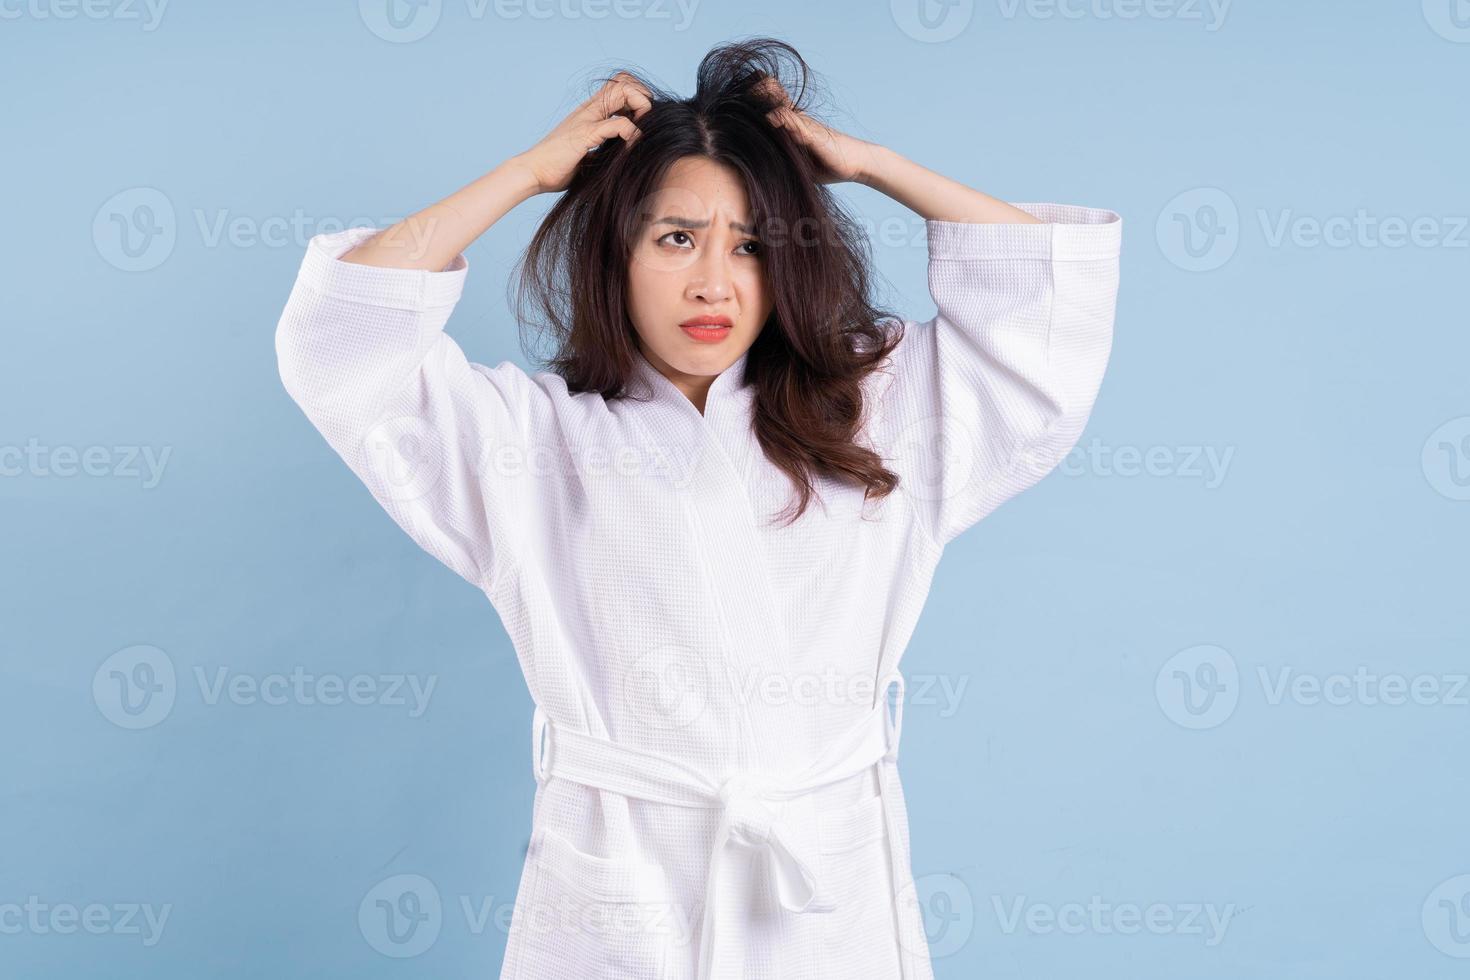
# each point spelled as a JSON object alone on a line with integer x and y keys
{"x": 823, "y": 336}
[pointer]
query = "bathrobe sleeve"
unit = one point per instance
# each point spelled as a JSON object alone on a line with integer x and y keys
{"x": 991, "y": 394}
{"x": 362, "y": 350}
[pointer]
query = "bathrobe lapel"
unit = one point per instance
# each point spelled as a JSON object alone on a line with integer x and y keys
{"x": 717, "y": 460}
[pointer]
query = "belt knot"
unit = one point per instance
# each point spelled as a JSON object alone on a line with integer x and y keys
{"x": 748, "y": 816}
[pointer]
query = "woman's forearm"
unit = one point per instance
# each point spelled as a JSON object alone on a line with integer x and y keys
{"x": 431, "y": 238}
{"x": 934, "y": 196}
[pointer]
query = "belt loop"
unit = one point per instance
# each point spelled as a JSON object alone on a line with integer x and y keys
{"x": 540, "y": 725}
{"x": 894, "y": 725}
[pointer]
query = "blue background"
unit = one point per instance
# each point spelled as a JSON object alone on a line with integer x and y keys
{"x": 1083, "y": 758}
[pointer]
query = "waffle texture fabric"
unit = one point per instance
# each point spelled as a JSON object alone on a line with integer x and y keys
{"x": 715, "y": 755}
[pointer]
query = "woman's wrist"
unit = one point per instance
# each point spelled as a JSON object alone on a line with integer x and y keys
{"x": 432, "y": 237}
{"x": 523, "y": 176}
{"x": 935, "y": 197}
{"x": 877, "y": 161}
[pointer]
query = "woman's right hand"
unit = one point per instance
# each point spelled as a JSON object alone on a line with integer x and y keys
{"x": 605, "y": 115}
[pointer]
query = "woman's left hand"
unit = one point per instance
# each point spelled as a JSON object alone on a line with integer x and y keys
{"x": 839, "y": 156}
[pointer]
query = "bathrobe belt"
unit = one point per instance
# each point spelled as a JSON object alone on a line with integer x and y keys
{"x": 746, "y": 821}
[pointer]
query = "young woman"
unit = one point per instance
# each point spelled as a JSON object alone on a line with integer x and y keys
{"x": 710, "y": 527}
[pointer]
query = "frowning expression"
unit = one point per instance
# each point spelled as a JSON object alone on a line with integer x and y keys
{"x": 698, "y": 292}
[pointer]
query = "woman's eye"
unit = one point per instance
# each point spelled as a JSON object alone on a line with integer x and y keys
{"x": 755, "y": 246}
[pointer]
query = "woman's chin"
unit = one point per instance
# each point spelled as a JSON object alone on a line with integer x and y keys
{"x": 700, "y": 358}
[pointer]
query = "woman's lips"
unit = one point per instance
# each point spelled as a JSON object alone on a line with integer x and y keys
{"x": 707, "y": 329}
{"x": 707, "y": 333}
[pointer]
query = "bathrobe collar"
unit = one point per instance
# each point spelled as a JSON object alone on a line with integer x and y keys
{"x": 719, "y": 457}
{"x": 727, "y": 390}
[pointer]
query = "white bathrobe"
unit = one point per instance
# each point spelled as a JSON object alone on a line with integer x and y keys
{"x": 716, "y": 762}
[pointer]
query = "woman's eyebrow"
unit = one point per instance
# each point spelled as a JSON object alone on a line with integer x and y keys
{"x": 692, "y": 223}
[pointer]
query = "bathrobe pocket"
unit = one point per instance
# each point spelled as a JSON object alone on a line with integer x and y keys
{"x": 860, "y": 935}
{"x": 590, "y": 916}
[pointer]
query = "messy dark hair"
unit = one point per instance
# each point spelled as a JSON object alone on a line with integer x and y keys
{"x": 823, "y": 336}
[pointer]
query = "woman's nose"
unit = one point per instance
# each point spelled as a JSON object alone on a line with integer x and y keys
{"x": 710, "y": 292}
{"x": 709, "y": 279}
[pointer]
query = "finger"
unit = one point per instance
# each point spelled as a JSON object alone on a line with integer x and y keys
{"x": 616, "y": 126}
{"x": 810, "y": 129}
{"x": 620, "y": 93}
{"x": 637, "y": 99}
{"x": 596, "y": 105}
{"x": 788, "y": 118}
{"x": 631, "y": 80}
{"x": 625, "y": 101}
{"x": 638, "y": 95}
{"x": 771, "y": 87}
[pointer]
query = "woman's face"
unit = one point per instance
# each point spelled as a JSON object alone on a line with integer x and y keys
{"x": 695, "y": 255}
